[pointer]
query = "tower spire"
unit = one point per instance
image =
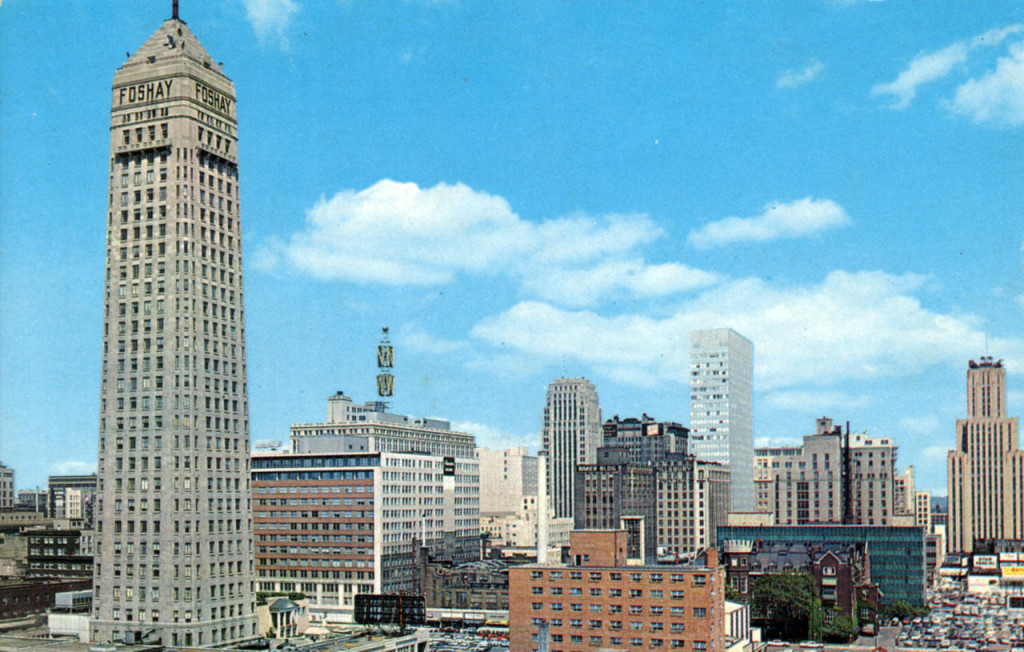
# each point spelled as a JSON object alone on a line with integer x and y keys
{"x": 174, "y": 9}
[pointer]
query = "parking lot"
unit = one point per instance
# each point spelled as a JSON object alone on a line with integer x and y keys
{"x": 961, "y": 621}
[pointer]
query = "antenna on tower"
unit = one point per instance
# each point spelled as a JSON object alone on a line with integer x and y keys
{"x": 385, "y": 363}
{"x": 174, "y": 9}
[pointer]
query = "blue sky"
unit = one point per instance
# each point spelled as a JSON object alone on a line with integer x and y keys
{"x": 525, "y": 190}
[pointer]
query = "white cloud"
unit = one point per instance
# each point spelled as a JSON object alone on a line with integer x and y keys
{"x": 778, "y": 220}
{"x": 817, "y": 401}
{"x": 495, "y": 439}
{"x": 794, "y": 78}
{"x": 413, "y": 337}
{"x": 73, "y": 467}
{"x": 270, "y": 17}
{"x": 926, "y": 425}
{"x": 401, "y": 234}
{"x": 998, "y": 96}
{"x": 582, "y": 287}
{"x": 851, "y": 326}
{"x": 766, "y": 442}
{"x": 927, "y": 67}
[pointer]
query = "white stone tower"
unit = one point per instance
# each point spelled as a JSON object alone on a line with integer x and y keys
{"x": 174, "y": 519}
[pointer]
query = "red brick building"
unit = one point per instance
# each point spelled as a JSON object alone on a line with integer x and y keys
{"x": 608, "y": 601}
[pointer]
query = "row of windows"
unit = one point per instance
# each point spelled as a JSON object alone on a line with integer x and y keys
{"x": 597, "y": 576}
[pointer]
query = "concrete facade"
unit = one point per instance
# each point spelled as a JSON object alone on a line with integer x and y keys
{"x": 985, "y": 470}
{"x": 6, "y": 487}
{"x": 511, "y": 477}
{"x": 173, "y": 514}
{"x": 571, "y": 436}
{"x": 614, "y": 489}
{"x": 693, "y": 500}
{"x": 722, "y": 407}
{"x": 648, "y": 441}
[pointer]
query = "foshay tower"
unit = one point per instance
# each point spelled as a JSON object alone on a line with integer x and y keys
{"x": 174, "y": 519}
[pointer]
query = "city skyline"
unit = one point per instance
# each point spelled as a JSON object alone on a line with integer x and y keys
{"x": 543, "y": 191}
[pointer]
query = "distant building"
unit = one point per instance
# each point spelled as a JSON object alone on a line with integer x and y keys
{"x": 896, "y": 554}
{"x": 31, "y": 500}
{"x": 476, "y": 585}
{"x": 923, "y": 510}
{"x": 72, "y": 497}
{"x": 648, "y": 441}
{"x": 841, "y": 571}
{"x": 832, "y": 478}
{"x": 692, "y": 501}
{"x": 57, "y": 553}
{"x": 571, "y": 435}
{"x": 453, "y": 520}
{"x": 904, "y": 492}
{"x": 613, "y": 489}
{"x": 986, "y": 468}
{"x": 605, "y": 599}
{"x": 6, "y": 487}
{"x": 23, "y": 597}
{"x": 510, "y": 476}
{"x": 722, "y": 407}
{"x": 346, "y": 512}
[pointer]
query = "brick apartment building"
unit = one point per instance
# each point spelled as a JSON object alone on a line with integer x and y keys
{"x": 604, "y": 599}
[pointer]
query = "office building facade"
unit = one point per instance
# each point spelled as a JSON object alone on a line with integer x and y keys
{"x": 6, "y": 487}
{"x": 606, "y": 600}
{"x": 693, "y": 501}
{"x": 510, "y": 478}
{"x": 722, "y": 407}
{"x": 614, "y": 490}
{"x": 173, "y": 514}
{"x": 648, "y": 441}
{"x": 72, "y": 497}
{"x": 334, "y": 525}
{"x": 571, "y": 436}
{"x": 833, "y": 477}
{"x": 986, "y": 469}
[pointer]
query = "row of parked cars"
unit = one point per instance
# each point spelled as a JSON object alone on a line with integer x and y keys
{"x": 962, "y": 621}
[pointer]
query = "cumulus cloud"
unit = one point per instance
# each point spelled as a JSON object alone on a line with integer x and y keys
{"x": 851, "y": 326}
{"x": 817, "y": 401}
{"x": 794, "y": 78}
{"x": 778, "y": 220}
{"x": 927, "y": 67}
{"x": 494, "y": 438}
{"x": 400, "y": 234}
{"x": 270, "y": 17}
{"x": 998, "y": 96}
{"x": 73, "y": 467}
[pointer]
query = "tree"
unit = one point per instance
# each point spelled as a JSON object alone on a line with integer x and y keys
{"x": 784, "y": 604}
{"x": 840, "y": 630}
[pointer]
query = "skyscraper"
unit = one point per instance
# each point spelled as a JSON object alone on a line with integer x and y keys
{"x": 722, "y": 407}
{"x": 986, "y": 469}
{"x": 572, "y": 433}
{"x": 174, "y": 520}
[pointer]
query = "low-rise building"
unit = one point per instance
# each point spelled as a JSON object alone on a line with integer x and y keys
{"x": 478, "y": 585}
{"x": 841, "y": 571}
{"x": 606, "y": 599}
{"x": 896, "y": 554}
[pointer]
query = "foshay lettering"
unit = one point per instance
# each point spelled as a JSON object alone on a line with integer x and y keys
{"x": 146, "y": 92}
{"x": 213, "y": 98}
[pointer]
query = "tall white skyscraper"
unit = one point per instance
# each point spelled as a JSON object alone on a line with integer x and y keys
{"x": 572, "y": 433}
{"x": 174, "y": 559}
{"x": 722, "y": 406}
